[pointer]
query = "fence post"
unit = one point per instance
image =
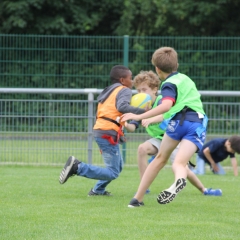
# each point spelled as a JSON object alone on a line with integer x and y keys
{"x": 90, "y": 126}
{"x": 125, "y": 63}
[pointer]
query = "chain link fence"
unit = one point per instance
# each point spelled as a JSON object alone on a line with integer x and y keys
{"x": 47, "y": 132}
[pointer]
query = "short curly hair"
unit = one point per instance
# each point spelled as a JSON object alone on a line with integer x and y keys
{"x": 148, "y": 77}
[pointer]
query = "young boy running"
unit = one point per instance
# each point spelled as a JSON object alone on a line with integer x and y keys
{"x": 112, "y": 103}
{"x": 185, "y": 121}
{"x": 148, "y": 82}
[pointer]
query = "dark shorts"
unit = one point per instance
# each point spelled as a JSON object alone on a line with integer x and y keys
{"x": 186, "y": 131}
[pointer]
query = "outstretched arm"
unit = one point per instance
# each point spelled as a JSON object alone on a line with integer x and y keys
{"x": 234, "y": 165}
{"x": 160, "y": 109}
{"x": 130, "y": 127}
{"x": 156, "y": 119}
{"x": 208, "y": 155}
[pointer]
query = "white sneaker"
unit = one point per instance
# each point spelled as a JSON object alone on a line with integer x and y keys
{"x": 166, "y": 196}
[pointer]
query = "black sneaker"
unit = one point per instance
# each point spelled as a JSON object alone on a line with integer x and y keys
{"x": 169, "y": 194}
{"x": 92, "y": 193}
{"x": 135, "y": 203}
{"x": 69, "y": 170}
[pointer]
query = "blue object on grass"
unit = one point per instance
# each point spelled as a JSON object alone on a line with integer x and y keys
{"x": 213, "y": 192}
{"x": 151, "y": 159}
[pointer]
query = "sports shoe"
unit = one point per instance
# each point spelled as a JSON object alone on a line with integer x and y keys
{"x": 213, "y": 192}
{"x": 92, "y": 193}
{"x": 69, "y": 170}
{"x": 135, "y": 203}
{"x": 169, "y": 194}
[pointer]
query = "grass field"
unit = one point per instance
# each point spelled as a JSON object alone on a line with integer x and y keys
{"x": 35, "y": 206}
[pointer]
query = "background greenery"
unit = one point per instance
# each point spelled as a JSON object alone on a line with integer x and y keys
{"x": 131, "y": 17}
{"x": 35, "y": 206}
{"x": 74, "y": 44}
{"x": 67, "y": 43}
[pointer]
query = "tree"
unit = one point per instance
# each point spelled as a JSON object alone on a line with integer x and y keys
{"x": 60, "y": 17}
{"x": 121, "y": 17}
{"x": 180, "y": 18}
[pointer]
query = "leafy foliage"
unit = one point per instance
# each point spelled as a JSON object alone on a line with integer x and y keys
{"x": 131, "y": 17}
{"x": 57, "y": 16}
{"x": 180, "y": 18}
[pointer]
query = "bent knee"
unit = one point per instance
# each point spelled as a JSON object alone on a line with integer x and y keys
{"x": 142, "y": 149}
{"x": 162, "y": 158}
{"x": 114, "y": 175}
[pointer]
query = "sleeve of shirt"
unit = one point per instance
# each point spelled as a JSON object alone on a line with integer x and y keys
{"x": 214, "y": 146}
{"x": 169, "y": 91}
{"x": 231, "y": 155}
{"x": 123, "y": 102}
{"x": 136, "y": 123}
{"x": 159, "y": 102}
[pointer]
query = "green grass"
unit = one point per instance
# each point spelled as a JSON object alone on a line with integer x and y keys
{"x": 35, "y": 206}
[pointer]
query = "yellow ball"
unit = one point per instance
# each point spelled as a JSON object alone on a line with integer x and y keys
{"x": 140, "y": 100}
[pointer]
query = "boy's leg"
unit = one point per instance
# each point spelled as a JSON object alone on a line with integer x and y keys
{"x": 194, "y": 180}
{"x": 200, "y": 168}
{"x": 190, "y": 142}
{"x": 145, "y": 149}
{"x": 174, "y": 153}
{"x": 149, "y": 147}
{"x": 113, "y": 161}
{"x": 115, "y": 165}
{"x": 184, "y": 154}
{"x": 166, "y": 148}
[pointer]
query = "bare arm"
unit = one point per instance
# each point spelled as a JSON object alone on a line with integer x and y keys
{"x": 208, "y": 155}
{"x": 162, "y": 108}
{"x": 234, "y": 165}
{"x": 156, "y": 119}
{"x": 130, "y": 127}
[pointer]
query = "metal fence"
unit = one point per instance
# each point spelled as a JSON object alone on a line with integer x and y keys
{"x": 77, "y": 62}
{"x": 46, "y": 132}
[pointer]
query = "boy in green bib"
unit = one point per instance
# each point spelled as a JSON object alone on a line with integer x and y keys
{"x": 185, "y": 123}
{"x": 148, "y": 82}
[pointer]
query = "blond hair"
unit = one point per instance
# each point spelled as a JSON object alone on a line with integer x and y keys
{"x": 148, "y": 77}
{"x": 166, "y": 59}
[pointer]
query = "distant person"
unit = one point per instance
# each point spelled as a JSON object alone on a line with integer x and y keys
{"x": 112, "y": 103}
{"x": 184, "y": 120}
{"x": 148, "y": 82}
{"x": 216, "y": 151}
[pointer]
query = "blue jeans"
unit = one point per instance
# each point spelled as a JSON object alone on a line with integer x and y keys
{"x": 200, "y": 168}
{"x": 113, "y": 166}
